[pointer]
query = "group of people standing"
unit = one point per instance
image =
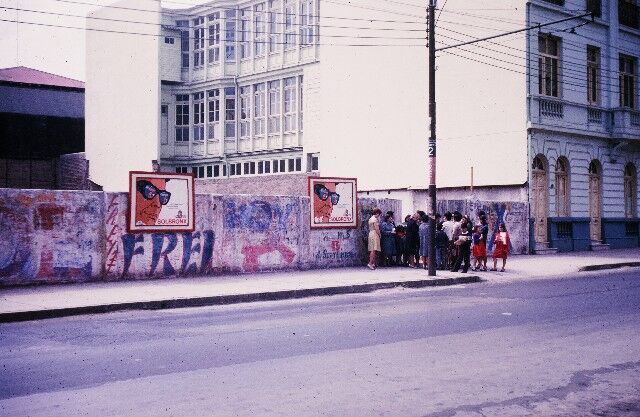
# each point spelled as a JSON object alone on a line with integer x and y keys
{"x": 456, "y": 239}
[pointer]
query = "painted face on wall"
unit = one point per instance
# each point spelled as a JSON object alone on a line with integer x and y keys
{"x": 150, "y": 197}
{"x": 325, "y": 197}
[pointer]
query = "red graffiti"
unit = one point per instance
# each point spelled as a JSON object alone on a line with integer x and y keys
{"x": 252, "y": 253}
{"x": 112, "y": 236}
{"x": 48, "y": 217}
{"x": 335, "y": 245}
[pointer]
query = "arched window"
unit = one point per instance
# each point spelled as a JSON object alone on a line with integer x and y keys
{"x": 537, "y": 163}
{"x": 562, "y": 187}
{"x": 594, "y": 167}
{"x": 630, "y": 190}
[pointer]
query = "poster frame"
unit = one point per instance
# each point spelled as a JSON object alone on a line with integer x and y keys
{"x": 189, "y": 228}
{"x": 353, "y": 225}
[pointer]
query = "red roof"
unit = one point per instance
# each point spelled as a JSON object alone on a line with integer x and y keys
{"x": 24, "y": 75}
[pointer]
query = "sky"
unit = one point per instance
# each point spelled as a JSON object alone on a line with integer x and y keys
{"x": 57, "y": 50}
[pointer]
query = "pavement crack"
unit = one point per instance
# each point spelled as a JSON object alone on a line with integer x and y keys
{"x": 579, "y": 381}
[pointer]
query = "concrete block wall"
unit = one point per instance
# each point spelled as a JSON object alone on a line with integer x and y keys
{"x": 73, "y": 171}
{"x": 77, "y": 236}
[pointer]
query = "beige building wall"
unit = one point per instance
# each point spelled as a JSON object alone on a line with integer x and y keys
{"x": 122, "y": 92}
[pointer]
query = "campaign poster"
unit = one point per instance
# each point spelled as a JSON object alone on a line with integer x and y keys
{"x": 161, "y": 202}
{"x": 333, "y": 202}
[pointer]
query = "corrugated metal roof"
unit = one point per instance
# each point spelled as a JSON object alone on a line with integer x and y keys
{"x": 24, "y": 75}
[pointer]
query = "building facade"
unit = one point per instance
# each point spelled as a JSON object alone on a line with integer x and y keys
{"x": 232, "y": 95}
{"x": 252, "y": 89}
{"x": 41, "y": 130}
{"x": 584, "y": 124}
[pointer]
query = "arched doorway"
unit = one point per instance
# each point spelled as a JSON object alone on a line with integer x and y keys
{"x": 540, "y": 199}
{"x": 562, "y": 187}
{"x": 630, "y": 191}
{"x": 595, "y": 200}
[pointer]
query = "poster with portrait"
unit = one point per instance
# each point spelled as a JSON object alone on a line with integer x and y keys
{"x": 161, "y": 202}
{"x": 333, "y": 202}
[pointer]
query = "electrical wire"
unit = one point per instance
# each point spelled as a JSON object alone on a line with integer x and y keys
{"x": 161, "y": 35}
{"x": 237, "y": 30}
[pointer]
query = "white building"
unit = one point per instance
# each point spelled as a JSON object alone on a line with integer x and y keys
{"x": 554, "y": 108}
{"x": 584, "y": 124}
{"x": 255, "y": 88}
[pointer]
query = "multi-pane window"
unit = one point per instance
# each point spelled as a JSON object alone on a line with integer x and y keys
{"x": 630, "y": 190}
{"x": 213, "y": 97}
{"x": 214, "y": 38}
{"x": 258, "y": 109}
{"x": 244, "y": 33}
{"x": 595, "y": 7}
{"x": 245, "y": 110}
{"x": 259, "y": 30}
{"x": 627, "y": 81}
{"x": 182, "y": 118}
{"x": 230, "y": 35}
{"x": 593, "y": 74}
{"x": 274, "y": 29}
{"x": 300, "y": 105}
{"x": 198, "y": 116}
{"x": 275, "y": 166}
{"x": 629, "y": 13}
{"x": 274, "y": 107}
{"x": 198, "y": 42}
{"x": 230, "y": 112}
{"x": 548, "y": 64}
{"x": 184, "y": 42}
{"x": 181, "y": 170}
{"x": 290, "y": 29}
{"x": 290, "y": 104}
{"x": 306, "y": 22}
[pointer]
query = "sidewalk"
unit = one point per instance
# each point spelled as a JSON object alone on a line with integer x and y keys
{"x": 46, "y": 301}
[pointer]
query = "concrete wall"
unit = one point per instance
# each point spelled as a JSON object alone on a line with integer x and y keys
{"x": 76, "y": 236}
{"x": 515, "y": 216}
{"x": 287, "y": 184}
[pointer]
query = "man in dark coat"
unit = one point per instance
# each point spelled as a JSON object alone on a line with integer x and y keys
{"x": 412, "y": 240}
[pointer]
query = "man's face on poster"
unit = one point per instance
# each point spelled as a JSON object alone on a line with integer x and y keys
{"x": 151, "y": 195}
{"x": 325, "y": 197}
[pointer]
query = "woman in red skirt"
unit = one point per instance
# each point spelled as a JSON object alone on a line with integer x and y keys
{"x": 479, "y": 249}
{"x": 501, "y": 248}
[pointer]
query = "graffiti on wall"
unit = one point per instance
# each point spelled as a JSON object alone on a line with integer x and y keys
{"x": 335, "y": 247}
{"x": 264, "y": 231}
{"x": 513, "y": 214}
{"x": 170, "y": 253}
{"x": 41, "y": 241}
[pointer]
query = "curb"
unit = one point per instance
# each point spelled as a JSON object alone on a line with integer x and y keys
{"x": 229, "y": 299}
{"x": 607, "y": 266}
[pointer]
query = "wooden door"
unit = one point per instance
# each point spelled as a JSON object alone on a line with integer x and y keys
{"x": 595, "y": 202}
{"x": 540, "y": 190}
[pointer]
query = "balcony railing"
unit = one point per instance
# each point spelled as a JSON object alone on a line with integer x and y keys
{"x": 551, "y": 108}
{"x": 629, "y": 14}
{"x": 594, "y": 116}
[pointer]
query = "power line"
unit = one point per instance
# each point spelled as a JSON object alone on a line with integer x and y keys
{"x": 372, "y": 8}
{"x": 160, "y": 35}
{"x": 177, "y": 13}
{"x": 528, "y": 28}
{"x": 237, "y": 30}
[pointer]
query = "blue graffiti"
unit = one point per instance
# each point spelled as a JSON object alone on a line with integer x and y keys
{"x": 256, "y": 216}
{"x": 192, "y": 243}
{"x": 500, "y": 210}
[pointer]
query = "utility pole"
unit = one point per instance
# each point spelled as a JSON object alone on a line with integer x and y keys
{"x": 432, "y": 137}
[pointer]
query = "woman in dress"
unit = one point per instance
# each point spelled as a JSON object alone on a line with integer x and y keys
{"x": 374, "y": 237}
{"x": 501, "y": 249}
{"x": 423, "y": 231}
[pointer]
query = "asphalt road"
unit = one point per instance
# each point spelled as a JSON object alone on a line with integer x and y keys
{"x": 559, "y": 347}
